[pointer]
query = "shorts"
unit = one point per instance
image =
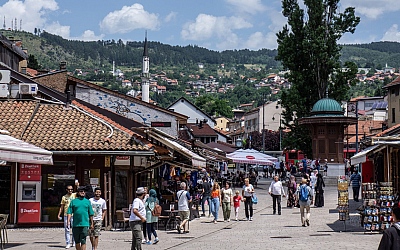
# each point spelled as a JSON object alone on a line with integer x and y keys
{"x": 184, "y": 215}
{"x": 80, "y": 234}
{"x": 97, "y": 224}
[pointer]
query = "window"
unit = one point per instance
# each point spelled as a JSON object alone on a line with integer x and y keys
{"x": 393, "y": 115}
{"x": 396, "y": 91}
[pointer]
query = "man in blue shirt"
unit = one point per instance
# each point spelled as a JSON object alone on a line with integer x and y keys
{"x": 355, "y": 180}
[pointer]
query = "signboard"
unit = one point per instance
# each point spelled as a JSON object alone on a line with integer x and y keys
{"x": 28, "y": 212}
{"x": 122, "y": 160}
{"x": 161, "y": 124}
{"x": 30, "y": 172}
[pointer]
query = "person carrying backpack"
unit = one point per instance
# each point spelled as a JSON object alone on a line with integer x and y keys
{"x": 305, "y": 197}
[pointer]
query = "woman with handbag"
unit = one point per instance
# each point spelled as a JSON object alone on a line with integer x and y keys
{"x": 151, "y": 219}
{"x": 227, "y": 201}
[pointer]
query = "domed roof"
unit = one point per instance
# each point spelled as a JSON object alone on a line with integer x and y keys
{"x": 327, "y": 107}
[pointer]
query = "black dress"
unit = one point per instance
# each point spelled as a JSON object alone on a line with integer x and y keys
{"x": 319, "y": 192}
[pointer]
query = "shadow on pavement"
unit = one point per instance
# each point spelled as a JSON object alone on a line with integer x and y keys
{"x": 11, "y": 245}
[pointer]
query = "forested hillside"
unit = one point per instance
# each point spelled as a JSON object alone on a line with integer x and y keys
{"x": 50, "y": 49}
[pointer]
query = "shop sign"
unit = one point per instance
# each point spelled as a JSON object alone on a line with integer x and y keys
{"x": 161, "y": 124}
{"x": 28, "y": 212}
{"x": 30, "y": 172}
{"x": 107, "y": 161}
{"x": 122, "y": 160}
{"x": 231, "y": 165}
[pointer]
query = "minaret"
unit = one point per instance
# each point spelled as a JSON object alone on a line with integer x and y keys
{"x": 145, "y": 72}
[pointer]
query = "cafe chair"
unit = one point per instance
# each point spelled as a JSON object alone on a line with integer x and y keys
{"x": 122, "y": 217}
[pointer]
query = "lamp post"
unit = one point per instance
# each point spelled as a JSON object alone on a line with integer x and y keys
{"x": 263, "y": 127}
{"x": 280, "y": 129}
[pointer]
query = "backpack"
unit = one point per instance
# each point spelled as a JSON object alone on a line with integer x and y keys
{"x": 304, "y": 193}
{"x": 156, "y": 212}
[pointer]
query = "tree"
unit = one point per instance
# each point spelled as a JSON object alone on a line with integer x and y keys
{"x": 32, "y": 62}
{"x": 308, "y": 48}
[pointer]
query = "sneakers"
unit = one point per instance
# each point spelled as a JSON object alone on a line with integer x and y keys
{"x": 144, "y": 241}
{"x": 148, "y": 243}
{"x": 224, "y": 220}
{"x": 215, "y": 222}
{"x": 237, "y": 219}
{"x": 156, "y": 240}
{"x": 251, "y": 218}
{"x": 67, "y": 246}
{"x": 308, "y": 222}
{"x": 229, "y": 220}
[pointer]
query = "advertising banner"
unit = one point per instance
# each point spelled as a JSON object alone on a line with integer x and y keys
{"x": 30, "y": 172}
{"x": 28, "y": 212}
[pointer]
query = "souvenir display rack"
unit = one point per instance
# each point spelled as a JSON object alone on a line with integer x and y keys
{"x": 343, "y": 201}
{"x": 378, "y": 202}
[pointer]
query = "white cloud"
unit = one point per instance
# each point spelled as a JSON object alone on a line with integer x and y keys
{"x": 392, "y": 34}
{"x": 31, "y": 12}
{"x": 88, "y": 35}
{"x": 128, "y": 19}
{"x": 58, "y": 29}
{"x": 207, "y": 26}
{"x": 171, "y": 16}
{"x": 371, "y": 8}
{"x": 247, "y": 6}
{"x": 258, "y": 40}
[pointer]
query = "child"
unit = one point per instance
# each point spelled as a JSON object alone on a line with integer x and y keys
{"x": 236, "y": 203}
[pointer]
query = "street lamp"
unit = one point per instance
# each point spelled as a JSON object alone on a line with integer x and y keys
{"x": 280, "y": 128}
{"x": 263, "y": 127}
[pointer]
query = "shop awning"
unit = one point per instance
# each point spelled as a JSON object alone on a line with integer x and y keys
{"x": 197, "y": 160}
{"x": 14, "y": 150}
{"x": 361, "y": 157}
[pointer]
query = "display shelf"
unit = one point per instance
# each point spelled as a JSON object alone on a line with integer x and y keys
{"x": 343, "y": 200}
{"x": 378, "y": 202}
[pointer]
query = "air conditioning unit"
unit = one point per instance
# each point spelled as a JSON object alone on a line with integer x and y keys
{"x": 28, "y": 88}
{"x": 4, "y": 76}
{"x": 4, "y": 90}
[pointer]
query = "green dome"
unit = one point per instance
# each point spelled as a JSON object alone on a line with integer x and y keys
{"x": 327, "y": 107}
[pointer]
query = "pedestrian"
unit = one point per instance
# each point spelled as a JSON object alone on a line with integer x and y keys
{"x": 227, "y": 202}
{"x": 304, "y": 162}
{"x": 236, "y": 203}
{"x": 292, "y": 187}
{"x": 215, "y": 201}
{"x": 183, "y": 200}
{"x": 247, "y": 193}
{"x": 277, "y": 168}
{"x": 206, "y": 194}
{"x": 65, "y": 201}
{"x": 151, "y": 220}
{"x": 136, "y": 219}
{"x": 391, "y": 236}
{"x": 270, "y": 171}
{"x": 304, "y": 195}
{"x": 99, "y": 207}
{"x": 276, "y": 191}
{"x": 144, "y": 226}
{"x": 319, "y": 191}
{"x": 82, "y": 210}
{"x": 355, "y": 181}
{"x": 313, "y": 180}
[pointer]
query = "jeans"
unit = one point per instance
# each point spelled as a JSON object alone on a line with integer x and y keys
{"x": 276, "y": 199}
{"x": 215, "y": 207}
{"x": 356, "y": 191}
{"x": 69, "y": 238}
{"x": 136, "y": 228}
{"x": 203, "y": 200}
{"x": 248, "y": 205}
{"x": 304, "y": 217}
{"x": 226, "y": 210}
{"x": 151, "y": 230}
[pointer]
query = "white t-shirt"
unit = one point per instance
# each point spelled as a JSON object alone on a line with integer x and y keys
{"x": 247, "y": 190}
{"x": 139, "y": 205}
{"x": 98, "y": 206}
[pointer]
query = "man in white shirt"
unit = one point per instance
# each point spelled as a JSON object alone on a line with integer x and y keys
{"x": 99, "y": 208}
{"x": 276, "y": 191}
{"x": 138, "y": 216}
{"x": 183, "y": 199}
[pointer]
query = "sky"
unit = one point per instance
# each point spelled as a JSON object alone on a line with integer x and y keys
{"x": 213, "y": 24}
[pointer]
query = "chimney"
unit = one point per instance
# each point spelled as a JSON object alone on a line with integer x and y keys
{"x": 23, "y": 70}
{"x": 68, "y": 102}
{"x": 63, "y": 65}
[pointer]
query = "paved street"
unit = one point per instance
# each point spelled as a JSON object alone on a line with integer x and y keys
{"x": 267, "y": 231}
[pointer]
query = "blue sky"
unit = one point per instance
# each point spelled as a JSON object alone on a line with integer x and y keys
{"x": 213, "y": 24}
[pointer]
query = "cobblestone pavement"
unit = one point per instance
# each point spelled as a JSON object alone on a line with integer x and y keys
{"x": 266, "y": 231}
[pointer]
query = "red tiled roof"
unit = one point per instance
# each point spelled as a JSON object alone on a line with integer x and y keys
{"x": 205, "y": 130}
{"x": 55, "y": 128}
{"x": 364, "y": 126}
{"x": 388, "y": 130}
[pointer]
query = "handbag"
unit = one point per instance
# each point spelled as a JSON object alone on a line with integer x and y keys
{"x": 254, "y": 198}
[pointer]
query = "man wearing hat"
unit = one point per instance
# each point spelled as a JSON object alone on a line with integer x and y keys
{"x": 138, "y": 216}
{"x": 82, "y": 210}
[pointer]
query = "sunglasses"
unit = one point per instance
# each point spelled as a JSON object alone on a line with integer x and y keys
{"x": 70, "y": 189}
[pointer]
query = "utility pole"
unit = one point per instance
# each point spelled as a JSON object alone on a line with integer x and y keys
{"x": 263, "y": 127}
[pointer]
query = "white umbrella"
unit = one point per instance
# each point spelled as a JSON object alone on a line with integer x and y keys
{"x": 251, "y": 156}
